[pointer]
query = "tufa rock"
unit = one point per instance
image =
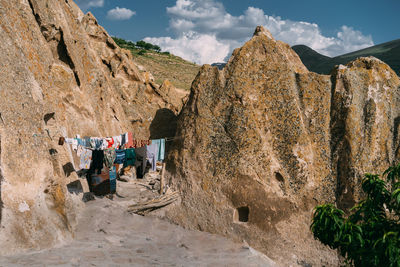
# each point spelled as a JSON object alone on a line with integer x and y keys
{"x": 262, "y": 142}
{"x": 260, "y": 30}
{"x": 61, "y": 75}
{"x": 364, "y": 124}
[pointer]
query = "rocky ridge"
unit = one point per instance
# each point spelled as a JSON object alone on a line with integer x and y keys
{"x": 61, "y": 75}
{"x": 263, "y": 141}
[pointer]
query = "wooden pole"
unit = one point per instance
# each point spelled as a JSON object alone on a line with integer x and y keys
{"x": 162, "y": 179}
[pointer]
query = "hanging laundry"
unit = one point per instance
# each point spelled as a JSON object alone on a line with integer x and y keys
{"x": 99, "y": 143}
{"x": 126, "y": 138}
{"x": 79, "y": 151}
{"x": 141, "y": 161}
{"x": 123, "y": 140}
{"x": 152, "y": 154}
{"x": 92, "y": 143}
{"x": 117, "y": 141}
{"x": 86, "y": 141}
{"x": 130, "y": 157}
{"x": 109, "y": 157}
{"x": 80, "y": 142}
{"x": 161, "y": 148}
{"x": 145, "y": 143}
{"x": 120, "y": 156}
{"x": 85, "y": 159}
{"x": 104, "y": 144}
{"x": 110, "y": 142}
{"x": 69, "y": 141}
{"x": 113, "y": 179}
{"x": 74, "y": 144}
{"x": 130, "y": 140}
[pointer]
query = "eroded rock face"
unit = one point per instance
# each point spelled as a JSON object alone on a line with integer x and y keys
{"x": 364, "y": 124}
{"x": 61, "y": 74}
{"x": 263, "y": 141}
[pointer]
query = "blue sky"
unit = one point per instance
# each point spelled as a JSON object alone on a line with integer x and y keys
{"x": 206, "y": 31}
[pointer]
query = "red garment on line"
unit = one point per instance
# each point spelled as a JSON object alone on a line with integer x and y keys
{"x": 110, "y": 142}
{"x": 129, "y": 142}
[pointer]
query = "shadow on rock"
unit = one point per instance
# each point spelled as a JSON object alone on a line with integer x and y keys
{"x": 163, "y": 124}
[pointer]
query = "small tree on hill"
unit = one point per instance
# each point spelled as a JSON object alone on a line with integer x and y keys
{"x": 148, "y": 46}
{"x": 119, "y": 41}
{"x": 156, "y": 48}
{"x": 141, "y": 44}
{"x": 370, "y": 235}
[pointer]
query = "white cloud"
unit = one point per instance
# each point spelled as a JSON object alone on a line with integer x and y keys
{"x": 204, "y": 32}
{"x": 200, "y": 48}
{"x": 120, "y": 13}
{"x": 85, "y": 4}
{"x": 299, "y": 32}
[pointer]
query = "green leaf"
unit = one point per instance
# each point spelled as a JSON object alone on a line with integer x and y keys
{"x": 369, "y": 235}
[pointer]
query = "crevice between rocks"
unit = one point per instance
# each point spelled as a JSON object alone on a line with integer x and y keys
{"x": 396, "y": 146}
{"x": 64, "y": 56}
{"x": 62, "y": 50}
{"x": 37, "y": 17}
{"x": 340, "y": 147}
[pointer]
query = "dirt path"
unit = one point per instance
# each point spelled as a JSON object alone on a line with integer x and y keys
{"x": 107, "y": 235}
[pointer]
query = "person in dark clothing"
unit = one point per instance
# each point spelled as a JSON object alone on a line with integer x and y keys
{"x": 141, "y": 161}
{"x": 95, "y": 166}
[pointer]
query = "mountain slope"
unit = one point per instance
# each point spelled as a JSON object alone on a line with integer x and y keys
{"x": 388, "y": 52}
{"x": 163, "y": 65}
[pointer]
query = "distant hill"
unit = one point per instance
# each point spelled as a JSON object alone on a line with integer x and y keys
{"x": 219, "y": 65}
{"x": 387, "y": 52}
{"x": 162, "y": 65}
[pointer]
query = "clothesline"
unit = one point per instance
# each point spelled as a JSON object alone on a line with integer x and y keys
{"x": 107, "y": 142}
{"x": 117, "y": 145}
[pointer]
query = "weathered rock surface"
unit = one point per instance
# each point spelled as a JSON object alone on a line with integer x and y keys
{"x": 267, "y": 137}
{"x": 61, "y": 74}
{"x": 365, "y": 116}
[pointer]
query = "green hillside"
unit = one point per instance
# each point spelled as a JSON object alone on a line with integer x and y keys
{"x": 162, "y": 65}
{"x": 387, "y": 52}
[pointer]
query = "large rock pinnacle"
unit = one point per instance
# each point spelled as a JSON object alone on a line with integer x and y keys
{"x": 263, "y": 141}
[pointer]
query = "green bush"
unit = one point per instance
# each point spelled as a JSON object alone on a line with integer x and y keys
{"x": 370, "y": 235}
{"x": 148, "y": 46}
{"x": 142, "y": 52}
{"x": 119, "y": 41}
{"x": 139, "y": 45}
{"x": 123, "y": 43}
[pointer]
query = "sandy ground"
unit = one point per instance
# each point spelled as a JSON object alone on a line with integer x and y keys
{"x": 108, "y": 235}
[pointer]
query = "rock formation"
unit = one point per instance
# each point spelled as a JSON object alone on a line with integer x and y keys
{"x": 259, "y": 143}
{"x": 263, "y": 141}
{"x": 61, "y": 75}
{"x": 365, "y": 116}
